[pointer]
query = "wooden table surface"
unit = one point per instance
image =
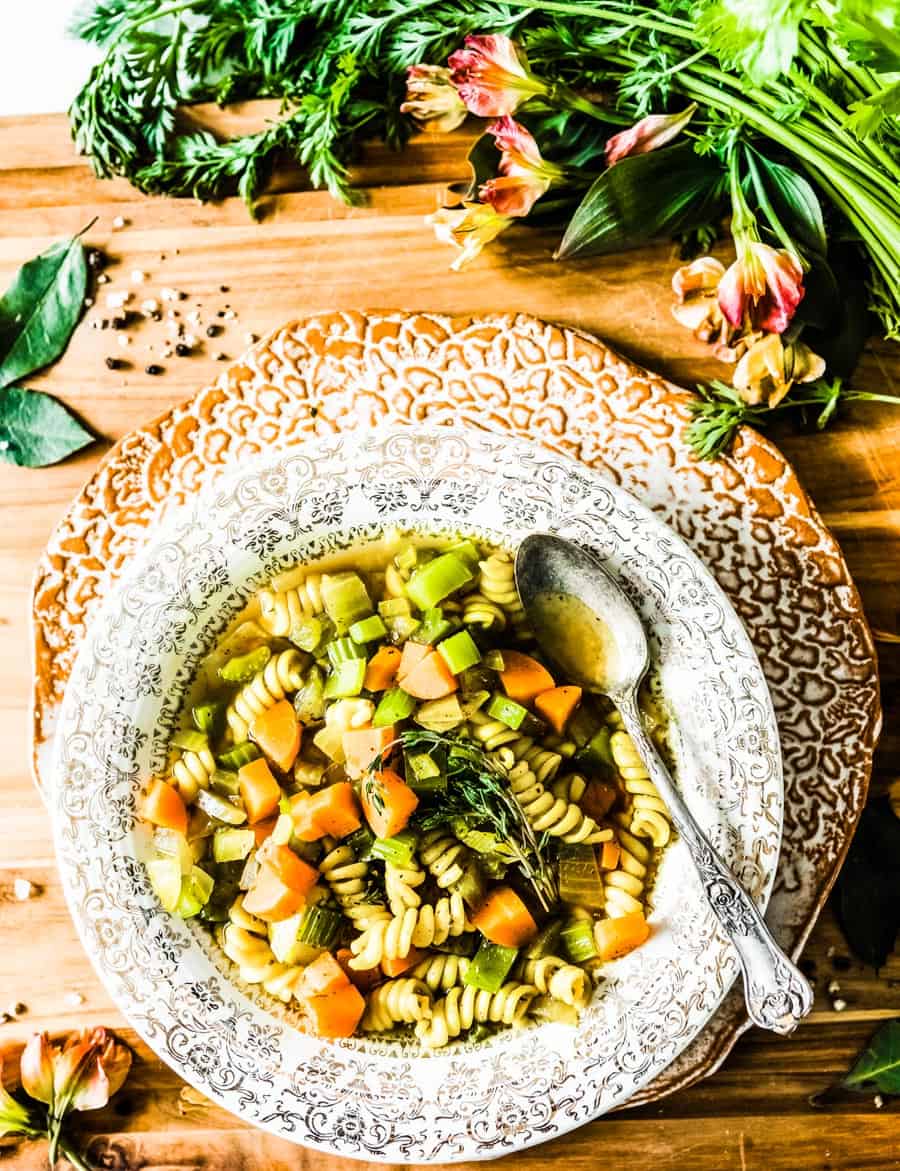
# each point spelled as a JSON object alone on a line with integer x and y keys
{"x": 308, "y": 253}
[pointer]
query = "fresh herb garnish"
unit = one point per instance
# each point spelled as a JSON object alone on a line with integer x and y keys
{"x": 875, "y": 1071}
{"x": 478, "y": 790}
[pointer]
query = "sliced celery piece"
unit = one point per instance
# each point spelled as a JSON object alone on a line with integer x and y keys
{"x": 579, "y": 878}
{"x": 550, "y": 1010}
{"x": 190, "y": 740}
{"x": 494, "y": 660}
{"x": 596, "y": 754}
{"x": 440, "y": 715}
{"x": 394, "y": 705}
{"x": 283, "y": 829}
{"x": 582, "y": 726}
{"x": 207, "y": 717}
{"x": 220, "y": 808}
{"x": 196, "y": 888}
{"x": 239, "y": 755}
{"x": 467, "y": 552}
{"x": 309, "y": 702}
{"x": 283, "y": 938}
{"x": 394, "y": 607}
{"x": 346, "y": 599}
{"x": 242, "y": 668}
{"x": 423, "y": 775}
{"x": 490, "y": 967}
{"x": 402, "y": 627}
{"x": 459, "y": 652}
{"x": 407, "y": 558}
{"x": 346, "y": 679}
{"x": 437, "y": 579}
{"x": 330, "y": 741}
{"x": 361, "y": 842}
{"x": 172, "y": 844}
{"x": 397, "y": 850}
{"x": 434, "y": 626}
{"x": 473, "y": 702}
{"x": 507, "y": 711}
{"x": 232, "y": 845}
{"x": 225, "y": 782}
{"x": 320, "y": 926}
{"x": 368, "y": 629}
{"x": 343, "y": 650}
{"x": 471, "y": 885}
{"x": 165, "y": 878}
{"x": 458, "y": 945}
{"x": 578, "y": 941}
{"x": 308, "y": 633}
{"x": 546, "y": 942}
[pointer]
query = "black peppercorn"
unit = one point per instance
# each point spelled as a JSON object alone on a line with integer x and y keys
{"x": 182, "y": 350}
{"x": 213, "y": 330}
{"x": 153, "y": 369}
{"x": 114, "y": 363}
{"x": 96, "y": 260}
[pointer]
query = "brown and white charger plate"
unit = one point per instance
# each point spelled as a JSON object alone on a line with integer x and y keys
{"x": 745, "y": 516}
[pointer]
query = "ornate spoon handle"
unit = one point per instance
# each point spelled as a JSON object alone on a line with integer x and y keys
{"x": 778, "y": 995}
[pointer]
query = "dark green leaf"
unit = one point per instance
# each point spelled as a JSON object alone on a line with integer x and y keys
{"x": 642, "y": 197}
{"x": 868, "y": 887}
{"x": 794, "y": 202}
{"x": 483, "y": 159}
{"x": 878, "y": 1066}
{"x": 40, "y": 309}
{"x": 36, "y": 429}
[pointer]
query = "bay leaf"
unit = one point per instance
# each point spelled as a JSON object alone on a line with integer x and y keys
{"x": 877, "y": 1069}
{"x": 36, "y": 429}
{"x": 40, "y": 309}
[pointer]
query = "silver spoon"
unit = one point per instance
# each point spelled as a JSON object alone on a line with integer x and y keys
{"x": 584, "y": 621}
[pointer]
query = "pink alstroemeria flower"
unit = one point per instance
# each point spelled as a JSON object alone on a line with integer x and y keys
{"x": 762, "y": 288}
{"x": 82, "y": 1074}
{"x": 468, "y": 228}
{"x": 525, "y": 175}
{"x": 648, "y": 134}
{"x": 432, "y": 100}
{"x": 492, "y": 76}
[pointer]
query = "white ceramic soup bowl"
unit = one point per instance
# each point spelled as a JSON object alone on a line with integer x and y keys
{"x": 377, "y": 1100}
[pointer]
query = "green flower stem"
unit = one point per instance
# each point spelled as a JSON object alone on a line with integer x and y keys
{"x": 74, "y": 1157}
{"x": 669, "y": 25}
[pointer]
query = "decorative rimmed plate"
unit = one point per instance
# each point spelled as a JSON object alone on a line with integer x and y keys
{"x": 745, "y": 516}
{"x": 120, "y": 710}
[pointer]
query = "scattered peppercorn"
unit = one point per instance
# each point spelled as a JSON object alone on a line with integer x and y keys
{"x": 154, "y": 369}
{"x": 96, "y": 260}
{"x": 114, "y": 363}
{"x": 224, "y": 289}
{"x": 220, "y": 357}
{"x": 213, "y": 330}
{"x": 182, "y": 350}
{"x": 221, "y": 313}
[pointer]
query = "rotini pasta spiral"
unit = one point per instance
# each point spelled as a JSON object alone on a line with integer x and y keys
{"x": 283, "y": 980}
{"x": 553, "y": 815}
{"x": 490, "y": 733}
{"x": 560, "y": 744}
{"x": 441, "y": 972}
{"x": 345, "y": 715}
{"x": 400, "y": 883}
{"x": 497, "y": 583}
{"x": 397, "y": 1002}
{"x": 560, "y": 979}
{"x": 463, "y": 1007}
{"x": 542, "y": 761}
{"x": 348, "y": 879}
{"x": 283, "y": 673}
{"x": 623, "y": 887}
{"x": 443, "y": 856}
{"x": 570, "y": 787}
{"x": 649, "y": 816}
{"x": 481, "y": 611}
{"x": 416, "y": 927}
{"x": 191, "y": 772}
{"x": 394, "y": 582}
{"x": 281, "y": 610}
{"x": 244, "y": 941}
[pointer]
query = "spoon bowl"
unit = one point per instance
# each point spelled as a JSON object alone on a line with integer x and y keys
{"x": 584, "y": 622}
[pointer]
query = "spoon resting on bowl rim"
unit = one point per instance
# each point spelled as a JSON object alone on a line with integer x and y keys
{"x": 583, "y": 620}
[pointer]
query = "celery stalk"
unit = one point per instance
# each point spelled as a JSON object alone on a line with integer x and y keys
{"x": 242, "y": 668}
{"x": 507, "y": 711}
{"x": 578, "y": 941}
{"x": 490, "y": 967}
{"x": 190, "y": 741}
{"x": 397, "y": 850}
{"x": 395, "y": 705}
{"x": 239, "y": 755}
{"x": 346, "y": 599}
{"x": 437, "y": 579}
{"x": 368, "y": 629}
{"x": 459, "y": 652}
{"x": 320, "y": 926}
{"x": 346, "y": 679}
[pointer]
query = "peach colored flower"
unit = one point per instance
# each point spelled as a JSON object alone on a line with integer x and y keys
{"x": 525, "y": 175}
{"x": 492, "y": 76}
{"x": 81, "y": 1074}
{"x": 648, "y": 134}
{"x": 14, "y": 1117}
{"x": 762, "y": 288}
{"x": 468, "y": 228}
{"x": 769, "y": 369}
{"x": 432, "y": 100}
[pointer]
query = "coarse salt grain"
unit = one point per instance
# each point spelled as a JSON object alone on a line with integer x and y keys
{"x": 73, "y": 999}
{"x": 833, "y": 987}
{"x": 123, "y": 339}
{"x": 168, "y": 294}
{"x": 150, "y": 306}
{"x": 250, "y": 338}
{"x": 138, "y": 276}
{"x": 117, "y": 300}
{"x": 23, "y": 889}
{"x": 193, "y": 318}
{"x": 119, "y": 222}
{"x": 229, "y": 314}
{"x": 839, "y": 1005}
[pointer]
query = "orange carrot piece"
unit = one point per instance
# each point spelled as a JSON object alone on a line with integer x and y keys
{"x": 388, "y": 803}
{"x": 598, "y": 798}
{"x": 336, "y": 1014}
{"x": 382, "y": 668}
{"x": 396, "y": 967}
{"x": 293, "y": 871}
{"x": 259, "y": 789}
{"x": 323, "y": 975}
{"x": 617, "y": 937}
{"x": 413, "y": 654}
{"x": 430, "y": 679}
{"x": 503, "y": 918}
{"x": 302, "y": 813}
{"x": 271, "y": 899}
{"x": 609, "y": 856}
{"x": 365, "y": 979}
{"x": 278, "y": 732}
{"x": 523, "y": 677}
{"x": 362, "y": 745}
{"x": 164, "y": 806}
{"x": 335, "y": 810}
{"x": 262, "y": 829}
{"x": 557, "y": 705}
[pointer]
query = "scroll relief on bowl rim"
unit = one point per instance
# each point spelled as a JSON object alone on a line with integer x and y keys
{"x": 360, "y": 1098}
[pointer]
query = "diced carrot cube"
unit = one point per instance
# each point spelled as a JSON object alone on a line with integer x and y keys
{"x": 430, "y": 679}
{"x": 363, "y": 745}
{"x": 278, "y": 733}
{"x": 259, "y": 789}
{"x": 323, "y": 975}
{"x": 271, "y": 899}
{"x": 388, "y": 802}
{"x": 163, "y": 806}
{"x": 336, "y": 1014}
